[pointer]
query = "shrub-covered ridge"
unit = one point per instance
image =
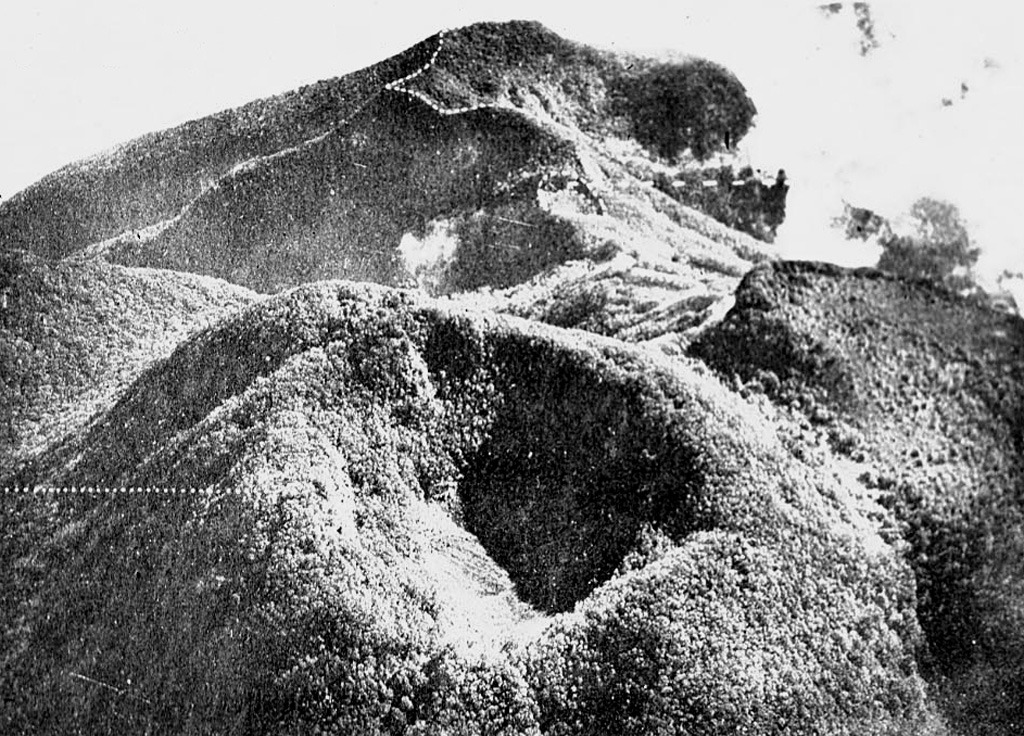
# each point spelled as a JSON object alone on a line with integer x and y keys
{"x": 659, "y": 561}
{"x": 72, "y": 334}
{"x": 924, "y": 391}
{"x": 523, "y": 154}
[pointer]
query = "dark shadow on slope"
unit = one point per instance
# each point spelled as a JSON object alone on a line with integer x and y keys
{"x": 696, "y": 105}
{"x": 564, "y": 456}
{"x": 574, "y": 465}
{"x": 522, "y": 64}
{"x": 153, "y": 177}
{"x": 338, "y": 207}
{"x": 739, "y": 199}
{"x": 267, "y": 607}
{"x": 508, "y": 246}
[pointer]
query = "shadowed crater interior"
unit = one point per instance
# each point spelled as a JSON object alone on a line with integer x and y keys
{"x": 578, "y": 461}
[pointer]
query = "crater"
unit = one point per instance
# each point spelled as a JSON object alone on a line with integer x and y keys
{"x": 575, "y": 465}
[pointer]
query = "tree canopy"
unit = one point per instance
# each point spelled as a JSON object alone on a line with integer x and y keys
{"x": 939, "y": 249}
{"x": 698, "y": 105}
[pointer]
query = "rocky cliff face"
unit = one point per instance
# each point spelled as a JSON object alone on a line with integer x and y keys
{"x": 574, "y": 463}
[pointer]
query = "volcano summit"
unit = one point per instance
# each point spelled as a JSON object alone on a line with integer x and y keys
{"x": 467, "y": 394}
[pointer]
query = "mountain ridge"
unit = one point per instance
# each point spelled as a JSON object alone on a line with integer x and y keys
{"x": 455, "y": 419}
{"x": 667, "y": 444}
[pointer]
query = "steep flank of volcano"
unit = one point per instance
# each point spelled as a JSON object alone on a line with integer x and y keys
{"x": 469, "y": 504}
{"x": 631, "y": 545}
{"x": 926, "y": 392}
{"x": 517, "y": 64}
{"x": 689, "y": 104}
{"x": 517, "y": 151}
{"x": 153, "y": 177}
{"x": 338, "y": 206}
{"x": 73, "y": 334}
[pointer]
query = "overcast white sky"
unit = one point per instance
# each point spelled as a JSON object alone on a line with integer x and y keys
{"x": 78, "y": 77}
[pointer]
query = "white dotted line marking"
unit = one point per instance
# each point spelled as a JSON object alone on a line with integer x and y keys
{"x": 433, "y": 57}
{"x": 94, "y": 490}
{"x": 398, "y": 85}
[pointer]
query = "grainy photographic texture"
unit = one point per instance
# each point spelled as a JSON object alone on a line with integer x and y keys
{"x": 469, "y": 393}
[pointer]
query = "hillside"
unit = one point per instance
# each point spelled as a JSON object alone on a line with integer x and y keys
{"x": 73, "y": 334}
{"x": 924, "y": 393}
{"x": 152, "y": 178}
{"x": 419, "y": 401}
{"x": 517, "y": 151}
{"x": 346, "y": 431}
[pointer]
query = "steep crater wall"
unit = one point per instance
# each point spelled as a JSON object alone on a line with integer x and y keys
{"x": 574, "y": 465}
{"x": 305, "y": 587}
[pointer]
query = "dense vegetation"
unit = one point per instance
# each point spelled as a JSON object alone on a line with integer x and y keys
{"x": 152, "y": 178}
{"x": 927, "y": 391}
{"x": 342, "y": 433}
{"x": 738, "y": 199}
{"x": 379, "y": 513}
{"x": 697, "y": 106}
{"x": 72, "y": 334}
{"x": 940, "y": 249}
